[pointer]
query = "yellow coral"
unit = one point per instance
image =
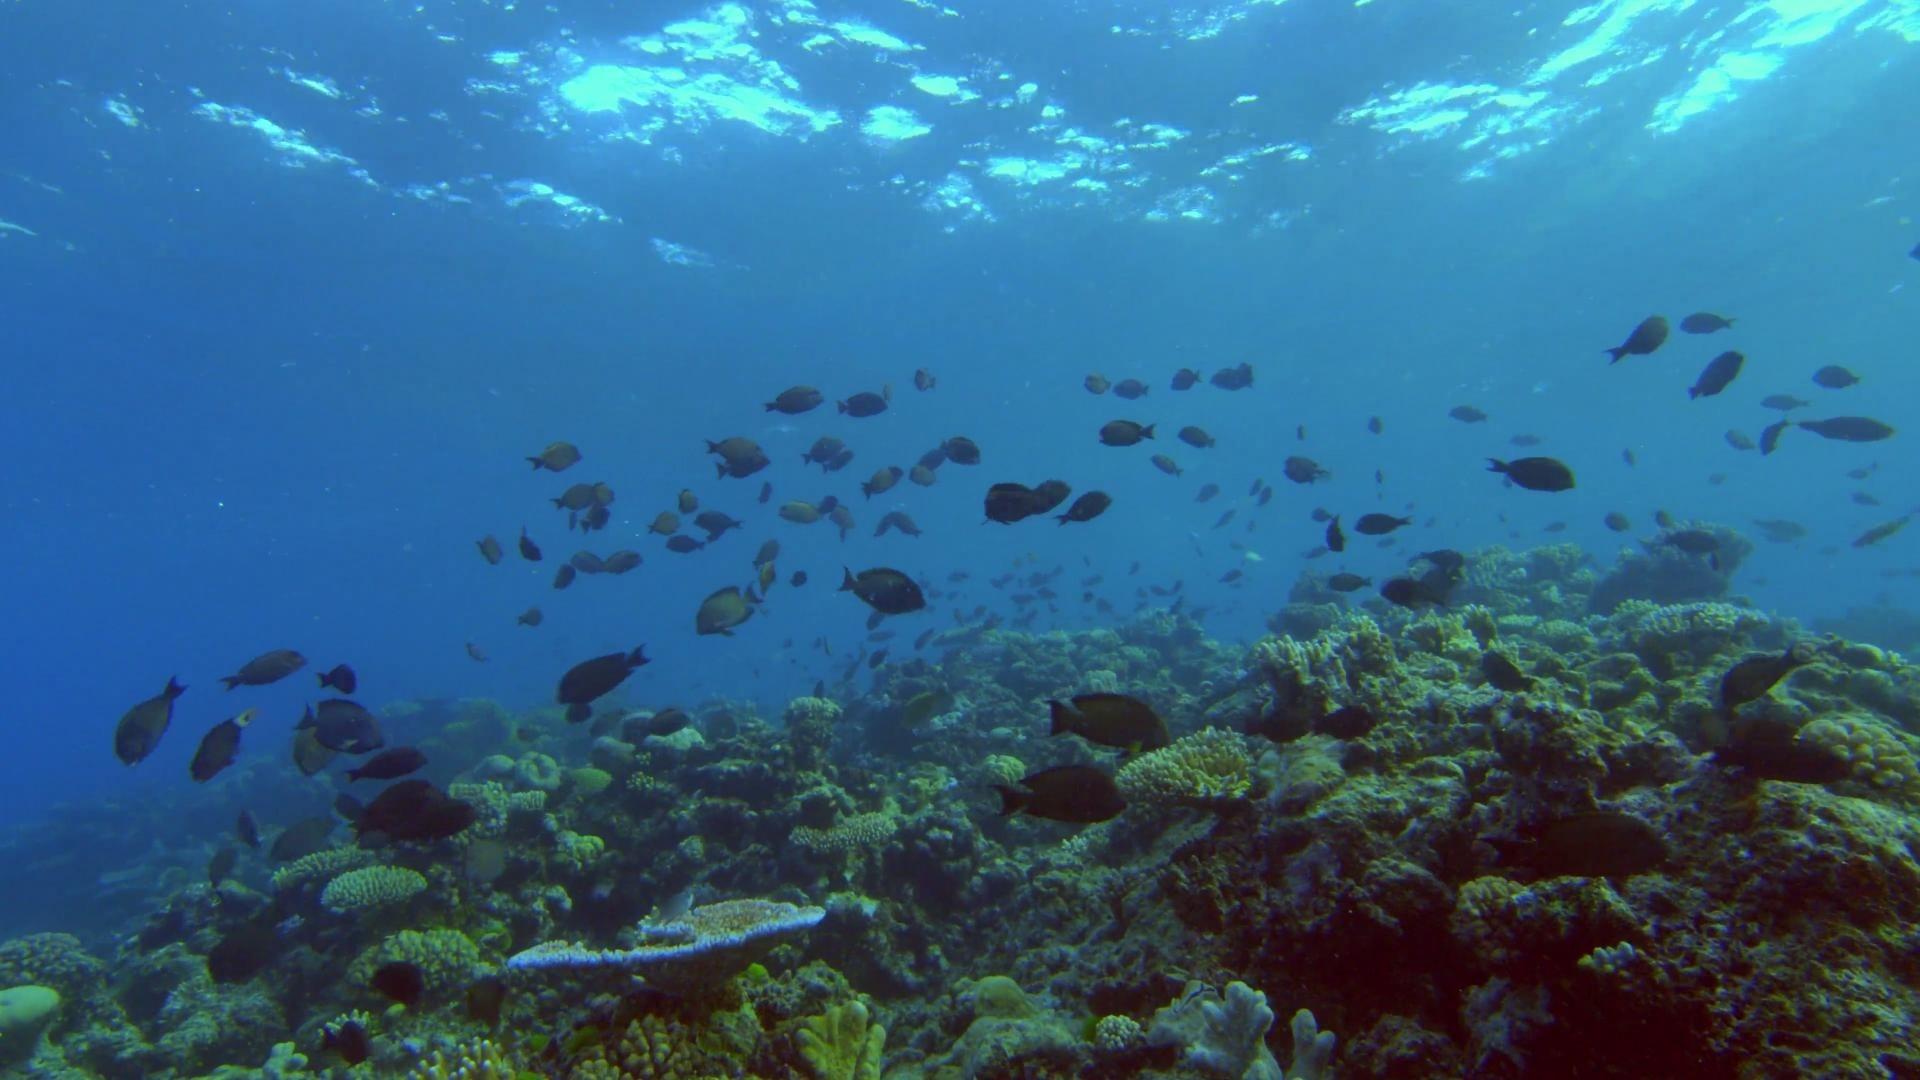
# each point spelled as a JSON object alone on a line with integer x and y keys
{"x": 326, "y": 863}
{"x": 579, "y": 850}
{"x": 1209, "y": 765}
{"x": 1881, "y": 757}
{"x": 843, "y": 1044}
{"x": 588, "y": 781}
{"x": 481, "y": 1059}
{"x": 1005, "y": 768}
{"x": 446, "y": 957}
{"x": 371, "y": 887}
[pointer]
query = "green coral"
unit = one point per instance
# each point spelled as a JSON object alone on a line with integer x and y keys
{"x": 855, "y": 833}
{"x": 843, "y": 1044}
{"x": 587, "y": 781}
{"x": 578, "y": 851}
{"x": 481, "y": 1059}
{"x": 322, "y": 865}
{"x": 371, "y": 887}
{"x": 1881, "y": 757}
{"x": 648, "y": 1048}
{"x": 493, "y": 803}
{"x": 447, "y": 958}
{"x": 25, "y": 1012}
{"x": 1210, "y": 765}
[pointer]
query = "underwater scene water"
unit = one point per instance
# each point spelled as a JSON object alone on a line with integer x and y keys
{"x": 890, "y": 538}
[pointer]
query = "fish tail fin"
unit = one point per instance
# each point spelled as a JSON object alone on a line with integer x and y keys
{"x": 846, "y": 580}
{"x": 230, "y": 681}
{"x": 1616, "y": 352}
{"x": 770, "y": 407}
{"x": 1496, "y": 465}
{"x": 1061, "y": 717}
{"x": 638, "y": 656}
{"x": 536, "y": 463}
{"x": 719, "y": 469}
{"x": 1011, "y": 799}
{"x": 1147, "y": 432}
{"x": 175, "y": 688}
{"x": 842, "y": 405}
{"x": 1511, "y": 851}
{"x": 353, "y": 774}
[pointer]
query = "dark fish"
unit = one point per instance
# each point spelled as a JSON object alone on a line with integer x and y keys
{"x": 839, "y": 461}
{"x": 1409, "y": 592}
{"x": 1534, "y": 473}
{"x": 1771, "y": 749}
{"x": 1881, "y": 531}
{"x": 576, "y": 497}
{"x": 921, "y": 475}
{"x": 1627, "y": 456}
{"x": 595, "y": 518}
{"x": 923, "y": 379}
{"x": 888, "y": 592}
{"x": 1835, "y": 377}
{"x": 389, "y": 764}
{"x": 1233, "y": 378}
{"x": 962, "y": 450}
{"x": 740, "y": 457}
{"x": 1717, "y": 375}
{"x": 243, "y": 953}
{"x": 590, "y": 679}
{"x": 897, "y": 519}
{"x": 1770, "y": 435}
{"x": 1165, "y": 464}
{"x": 564, "y": 576}
{"x": 1692, "y": 541}
{"x": 664, "y": 722}
{"x": 1096, "y": 383}
{"x": 350, "y": 1040}
{"x": 1374, "y": 425}
{"x": 308, "y": 753}
{"x": 220, "y": 867}
{"x": 1780, "y": 530}
{"x": 799, "y": 511}
{"x": 400, "y": 981}
{"x": 665, "y": 523}
{"x": 1849, "y": 428}
{"x": 1110, "y": 720}
{"x": 1617, "y": 521}
{"x": 1738, "y": 440}
{"x": 1087, "y": 507}
{"x": 140, "y": 727}
{"x": 1351, "y": 722}
{"x": 768, "y": 552}
{"x": 1303, "y": 470}
{"x": 1185, "y": 378}
{"x": 1077, "y": 794}
{"x": 1783, "y": 402}
{"x": 882, "y": 481}
{"x": 878, "y": 658}
{"x": 863, "y": 404}
{"x": 688, "y": 502}
{"x": 1345, "y": 582}
{"x": 1124, "y": 432}
{"x": 1131, "y": 389}
{"x": 1206, "y": 493}
{"x": 1597, "y": 843}
{"x": 1525, "y": 440}
{"x": 823, "y": 450}
{"x": 1009, "y": 502}
{"x": 529, "y": 550}
{"x": 348, "y": 807}
{"x": 1663, "y": 519}
{"x": 684, "y": 545}
{"x": 1648, "y": 336}
{"x": 934, "y": 458}
{"x": 218, "y": 747}
{"x": 476, "y": 654}
{"x": 796, "y": 400}
{"x": 1467, "y": 414}
{"x": 557, "y": 457}
{"x": 268, "y": 667}
{"x": 721, "y": 611}
{"x": 343, "y": 725}
{"x": 301, "y": 839}
{"x": 1196, "y": 437}
{"x": 587, "y": 562}
{"x": 341, "y": 679}
{"x": 621, "y": 561}
{"x": 247, "y": 831}
{"x": 414, "y": 810}
{"x": 1503, "y": 674}
{"x": 485, "y": 999}
{"x": 1377, "y": 524}
{"x": 1751, "y": 679}
{"x": 1704, "y": 322}
{"x": 1337, "y": 540}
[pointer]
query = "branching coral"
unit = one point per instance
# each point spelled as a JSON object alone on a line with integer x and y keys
{"x": 842, "y": 1045}
{"x": 371, "y": 887}
{"x": 323, "y": 865}
{"x": 1210, "y": 765}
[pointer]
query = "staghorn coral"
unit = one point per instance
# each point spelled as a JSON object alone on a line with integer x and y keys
{"x": 371, "y": 887}
{"x": 842, "y": 1044}
{"x": 1211, "y": 765}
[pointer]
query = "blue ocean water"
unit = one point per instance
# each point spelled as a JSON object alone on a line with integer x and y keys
{"x": 291, "y": 293}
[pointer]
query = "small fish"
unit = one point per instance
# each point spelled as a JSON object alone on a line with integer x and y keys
{"x": 1076, "y": 794}
{"x": 961, "y": 450}
{"x": 1467, "y": 414}
{"x": 341, "y": 678}
{"x": 1835, "y": 377}
{"x": 796, "y": 400}
{"x": 721, "y": 611}
{"x": 1617, "y": 521}
{"x": 246, "y": 829}
{"x": 882, "y": 481}
{"x": 564, "y": 576}
{"x": 1738, "y": 440}
{"x": 1087, "y": 507}
{"x": 485, "y": 999}
{"x": 267, "y": 668}
{"x": 1196, "y": 437}
{"x": 620, "y": 561}
{"x": 1345, "y": 582}
{"x": 414, "y": 810}
{"x": 921, "y": 476}
{"x": 1596, "y": 843}
{"x": 389, "y": 764}
{"x": 1206, "y": 492}
{"x": 1130, "y": 389}
{"x": 1377, "y": 524}
{"x": 1124, "y": 432}
{"x": 1770, "y": 436}
{"x": 684, "y": 545}
{"x": 1346, "y": 723}
{"x": 301, "y": 839}
{"x": 1752, "y": 678}
{"x": 400, "y": 981}
{"x": 557, "y": 457}
{"x": 1503, "y": 674}
{"x": 218, "y": 747}
{"x": 1881, "y": 531}
{"x": 1717, "y": 375}
{"x": 594, "y": 678}
{"x": 529, "y": 550}
{"x": 886, "y": 591}
{"x": 1861, "y": 498}
{"x": 1704, "y": 322}
{"x": 1525, "y": 440}
{"x": 1233, "y": 378}
{"x": 476, "y": 653}
{"x": 1768, "y": 748}
{"x": 1185, "y": 378}
{"x": 1303, "y": 470}
{"x": 1409, "y": 592}
{"x": 1337, "y": 540}
{"x": 665, "y": 523}
{"x": 1692, "y": 541}
{"x": 1849, "y": 428}
{"x": 923, "y": 380}
{"x": 140, "y": 727}
{"x": 863, "y": 404}
{"x": 1534, "y": 473}
{"x": 1627, "y": 456}
{"x": 1646, "y": 337}
{"x": 1780, "y": 530}
{"x": 1375, "y": 425}
{"x": 1783, "y": 402}
{"x": 688, "y": 502}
